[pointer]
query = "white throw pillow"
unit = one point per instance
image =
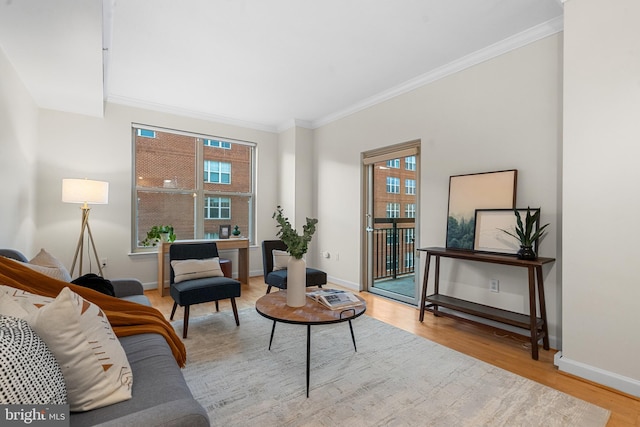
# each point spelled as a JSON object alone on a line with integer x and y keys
{"x": 94, "y": 364}
{"x": 47, "y": 264}
{"x": 9, "y": 307}
{"x": 28, "y": 301}
{"x": 280, "y": 259}
{"x": 189, "y": 269}
{"x": 30, "y": 374}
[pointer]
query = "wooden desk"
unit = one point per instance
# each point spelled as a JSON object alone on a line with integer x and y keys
{"x": 537, "y": 326}
{"x": 242, "y": 245}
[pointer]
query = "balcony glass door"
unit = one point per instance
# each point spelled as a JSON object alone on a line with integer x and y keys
{"x": 390, "y": 212}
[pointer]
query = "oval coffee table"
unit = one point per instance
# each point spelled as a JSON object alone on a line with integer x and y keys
{"x": 274, "y": 306}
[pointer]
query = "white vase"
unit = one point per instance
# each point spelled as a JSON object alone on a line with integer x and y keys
{"x": 296, "y": 282}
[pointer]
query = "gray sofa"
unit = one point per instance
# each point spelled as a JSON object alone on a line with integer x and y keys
{"x": 160, "y": 395}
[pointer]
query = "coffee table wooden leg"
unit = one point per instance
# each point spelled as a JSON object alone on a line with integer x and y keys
{"x": 353, "y": 337}
{"x": 308, "y": 355}
{"x": 273, "y": 329}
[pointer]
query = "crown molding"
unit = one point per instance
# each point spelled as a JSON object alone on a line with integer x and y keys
{"x": 521, "y": 39}
{"x": 178, "y": 111}
{"x": 294, "y": 123}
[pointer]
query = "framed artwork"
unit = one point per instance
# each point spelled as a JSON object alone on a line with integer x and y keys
{"x": 225, "y": 232}
{"x": 489, "y": 236}
{"x": 488, "y": 190}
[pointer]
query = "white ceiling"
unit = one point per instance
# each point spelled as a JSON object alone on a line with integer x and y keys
{"x": 260, "y": 63}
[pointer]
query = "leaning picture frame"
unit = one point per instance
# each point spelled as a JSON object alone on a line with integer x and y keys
{"x": 487, "y": 190}
{"x": 488, "y": 234}
{"x": 225, "y": 232}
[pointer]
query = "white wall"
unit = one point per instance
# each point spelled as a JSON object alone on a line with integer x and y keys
{"x": 601, "y": 203}
{"x": 18, "y": 140}
{"x": 502, "y": 114}
{"x": 76, "y": 146}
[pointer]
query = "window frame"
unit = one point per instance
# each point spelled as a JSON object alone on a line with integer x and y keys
{"x": 199, "y": 193}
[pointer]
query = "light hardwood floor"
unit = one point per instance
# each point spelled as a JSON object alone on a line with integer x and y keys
{"x": 484, "y": 343}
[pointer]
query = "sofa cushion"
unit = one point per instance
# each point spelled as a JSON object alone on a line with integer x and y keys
{"x": 94, "y": 365}
{"x": 190, "y": 269}
{"x": 157, "y": 399}
{"x": 30, "y": 374}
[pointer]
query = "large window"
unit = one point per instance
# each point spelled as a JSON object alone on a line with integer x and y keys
{"x": 196, "y": 183}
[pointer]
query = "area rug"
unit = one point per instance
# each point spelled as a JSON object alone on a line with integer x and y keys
{"x": 394, "y": 379}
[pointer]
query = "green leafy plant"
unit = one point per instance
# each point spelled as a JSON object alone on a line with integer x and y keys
{"x": 297, "y": 244}
{"x": 524, "y": 231}
{"x": 154, "y": 235}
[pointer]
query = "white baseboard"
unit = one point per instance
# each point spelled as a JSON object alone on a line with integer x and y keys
{"x": 150, "y": 286}
{"x": 597, "y": 375}
{"x": 355, "y": 287}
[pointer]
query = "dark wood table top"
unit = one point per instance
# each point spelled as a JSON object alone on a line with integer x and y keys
{"x": 274, "y": 306}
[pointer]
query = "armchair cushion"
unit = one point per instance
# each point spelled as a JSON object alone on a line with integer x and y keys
{"x": 280, "y": 260}
{"x": 190, "y": 269}
{"x": 278, "y": 278}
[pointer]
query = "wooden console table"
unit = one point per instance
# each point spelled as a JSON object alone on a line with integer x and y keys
{"x": 242, "y": 245}
{"x": 537, "y": 326}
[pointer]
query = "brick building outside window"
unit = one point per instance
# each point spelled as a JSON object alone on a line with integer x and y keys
{"x": 196, "y": 183}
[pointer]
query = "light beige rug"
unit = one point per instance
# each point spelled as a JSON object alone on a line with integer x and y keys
{"x": 395, "y": 379}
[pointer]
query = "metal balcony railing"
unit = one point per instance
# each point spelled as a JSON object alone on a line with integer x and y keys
{"x": 393, "y": 247}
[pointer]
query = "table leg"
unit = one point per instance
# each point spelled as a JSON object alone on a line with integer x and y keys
{"x": 308, "y": 355}
{"x": 273, "y": 329}
{"x": 533, "y": 328}
{"x": 425, "y": 279}
{"x": 543, "y": 309}
{"x": 353, "y": 337}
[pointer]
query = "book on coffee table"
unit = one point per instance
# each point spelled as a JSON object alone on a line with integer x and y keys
{"x": 334, "y": 299}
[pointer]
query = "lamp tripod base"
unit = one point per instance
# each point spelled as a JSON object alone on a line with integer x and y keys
{"x": 80, "y": 246}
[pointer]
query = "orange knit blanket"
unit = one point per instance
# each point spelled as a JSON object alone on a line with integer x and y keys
{"x": 126, "y": 318}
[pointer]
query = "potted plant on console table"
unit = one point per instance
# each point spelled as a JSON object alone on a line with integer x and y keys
{"x": 525, "y": 233}
{"x": 297, "y": 246}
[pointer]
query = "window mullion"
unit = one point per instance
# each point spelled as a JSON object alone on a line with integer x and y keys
{"x": 198, "y": 219}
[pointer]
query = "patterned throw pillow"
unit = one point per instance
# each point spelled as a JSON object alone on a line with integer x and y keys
{"x": 93, "y": 362}
{"x": 189, "y": 269}
{"x": 28, "y": 301}
{"x": 280, "y": 259}
{"x": 30, "y": 374}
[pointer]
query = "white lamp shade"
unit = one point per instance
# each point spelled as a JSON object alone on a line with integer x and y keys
{"x": 85, "y": 191}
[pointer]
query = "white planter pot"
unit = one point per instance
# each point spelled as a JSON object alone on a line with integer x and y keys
{"x": 296, "y": 282}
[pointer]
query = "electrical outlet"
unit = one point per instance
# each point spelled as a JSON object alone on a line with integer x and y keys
{"x": 494, "y": 285}
{"x": 103, "y": 262}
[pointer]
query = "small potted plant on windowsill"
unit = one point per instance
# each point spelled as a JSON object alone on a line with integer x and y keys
{"x": 525, "y": 234}
{"x": 157, "y": 234}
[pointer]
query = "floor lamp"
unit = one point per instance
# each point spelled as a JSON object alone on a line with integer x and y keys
{"x": 87, "y": 192}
